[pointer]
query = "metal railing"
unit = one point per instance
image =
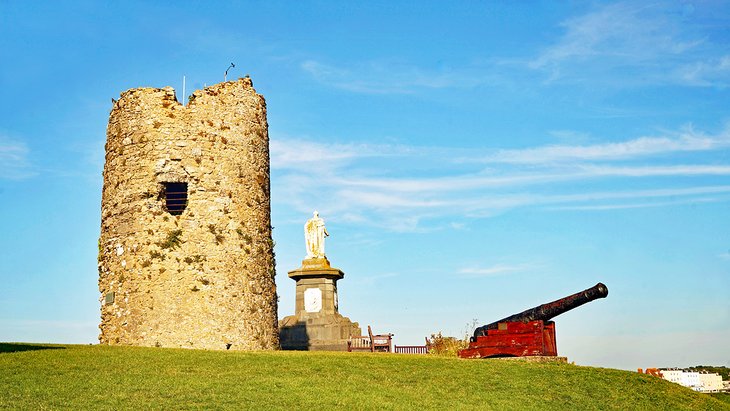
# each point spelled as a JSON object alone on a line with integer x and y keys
{"x": 411, "y": 349}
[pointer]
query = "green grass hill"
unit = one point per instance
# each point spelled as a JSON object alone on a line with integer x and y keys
{"x": 100, "y": 377}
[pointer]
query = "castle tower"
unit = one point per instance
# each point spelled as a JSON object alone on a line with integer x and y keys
{"x": 186, "y": 254}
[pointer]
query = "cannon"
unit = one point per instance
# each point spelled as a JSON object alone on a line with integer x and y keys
{"x": 529, "y": 333}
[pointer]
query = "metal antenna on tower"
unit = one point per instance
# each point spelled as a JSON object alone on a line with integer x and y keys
{"x": 225, "y": 75}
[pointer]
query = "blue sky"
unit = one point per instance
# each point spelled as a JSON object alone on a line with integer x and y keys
{"x": 470, "y": 160}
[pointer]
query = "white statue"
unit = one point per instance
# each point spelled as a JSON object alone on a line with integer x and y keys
{"x": 314, "y": 234}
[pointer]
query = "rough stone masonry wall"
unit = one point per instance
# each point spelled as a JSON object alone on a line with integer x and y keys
{"x": 205, "y": 278}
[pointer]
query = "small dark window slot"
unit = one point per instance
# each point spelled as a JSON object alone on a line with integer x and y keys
{"x": 176, "y": 197}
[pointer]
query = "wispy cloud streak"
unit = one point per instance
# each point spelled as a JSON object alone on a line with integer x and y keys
{"x": 371, "y": 184}
{"x": 608, "y": 207}
{"x": 634, "y": 43}
{"x": 620, "y": 44}
{"x": 628, "y": 31}
{"x": 14, "y": 164}
{"x": 299, "y": 154}
{"x": 392, "y": 77}
{"x": 643, "y": 146}
{"x": 493, "y": 271}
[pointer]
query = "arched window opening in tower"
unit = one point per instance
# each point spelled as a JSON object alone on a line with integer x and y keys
{"x": 176, "y": 197}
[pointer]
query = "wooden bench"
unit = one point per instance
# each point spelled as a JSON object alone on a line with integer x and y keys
{"x": 370, "y": 342}
{"x": 361, "y": 343}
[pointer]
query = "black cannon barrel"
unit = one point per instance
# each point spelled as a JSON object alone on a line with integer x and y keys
{"x": 547, "y": 311}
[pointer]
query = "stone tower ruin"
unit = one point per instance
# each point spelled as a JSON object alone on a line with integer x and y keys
{"x": 186, "y": 254}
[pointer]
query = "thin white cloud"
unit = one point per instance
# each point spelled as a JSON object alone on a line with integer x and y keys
{"x": 493, "y": 271}
{"x": 301, "y": 154}
{"x": 714, "y": 72}
{"x": 476, "y": 181}
{"x": 656, "y": 171}
{"x": 622, "y": 44}
{"x": 631, "y": 32}
{"x": 635, "y": 194}
{"x": 360, "y": 80}
{"x": 379, "y": 200}
{"x": 688, "y": 141}
{"x": 445, "y": 184}
{"x": 14, "y": 163}
{"x": 482, "y": 206}
{"x": 394, "y": 77}
{"x": 609, "y": 207}
{"x": 635, "y": 43}
{"x": 383, "y": 186}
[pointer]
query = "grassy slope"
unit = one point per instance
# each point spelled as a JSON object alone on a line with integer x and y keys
{"x": 83, "y": 377}
{"x": 722, "y": 396}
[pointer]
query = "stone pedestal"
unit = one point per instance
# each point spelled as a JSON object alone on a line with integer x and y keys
{"x": 316, "y": 323}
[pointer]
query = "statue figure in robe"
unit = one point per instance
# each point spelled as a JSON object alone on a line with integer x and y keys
{"x": 314, "y": 234}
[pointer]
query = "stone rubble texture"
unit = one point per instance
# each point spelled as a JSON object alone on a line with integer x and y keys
{"x": 203, "y": 279}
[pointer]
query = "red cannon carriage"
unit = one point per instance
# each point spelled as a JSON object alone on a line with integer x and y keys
{"x": 529, "y": 333}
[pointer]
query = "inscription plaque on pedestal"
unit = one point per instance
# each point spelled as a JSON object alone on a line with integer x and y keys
{"x": 313, "y": 300}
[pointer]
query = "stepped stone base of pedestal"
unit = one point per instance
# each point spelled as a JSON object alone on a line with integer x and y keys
{"x": 317, "y": 323}
{"x": 315, "y": 332}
